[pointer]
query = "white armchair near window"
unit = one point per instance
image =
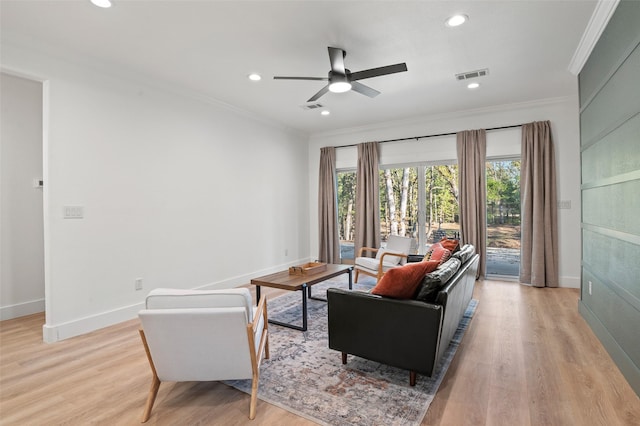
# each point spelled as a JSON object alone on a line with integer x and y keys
{"x": 394, "y": 254}
{"x": 192, "y": 335}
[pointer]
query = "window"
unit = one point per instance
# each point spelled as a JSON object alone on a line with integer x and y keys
{"x": 346, "y": 191}
{"x": 441, "y": 203}
{"x": 420, "y": 202}
{"x": 503, "y": 217}
{"x": 398, "y": 202}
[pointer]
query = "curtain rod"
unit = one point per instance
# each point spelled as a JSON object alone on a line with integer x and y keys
{"x": 430, "y": 136}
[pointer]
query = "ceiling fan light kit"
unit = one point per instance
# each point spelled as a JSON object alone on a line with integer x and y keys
{"x": 339, "y": 83}
{"x": 342, "y": 80}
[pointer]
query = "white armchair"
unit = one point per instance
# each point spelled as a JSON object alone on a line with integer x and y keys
{"x": 192, "y": 335}
{"x": 394, "y": 254}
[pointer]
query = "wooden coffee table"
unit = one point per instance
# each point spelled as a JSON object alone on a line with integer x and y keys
{"x": 285, "y": 281}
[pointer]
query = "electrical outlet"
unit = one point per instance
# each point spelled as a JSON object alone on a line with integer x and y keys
{"x": 138, "y": 284}
{"x": 590, "y": 290}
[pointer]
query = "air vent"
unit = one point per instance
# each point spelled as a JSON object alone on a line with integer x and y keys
{"x": 472, "y": 74}
{"x": 311, "y": 106}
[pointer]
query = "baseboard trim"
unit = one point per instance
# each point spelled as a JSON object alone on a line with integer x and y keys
{"x": 55, "y": 332}
{"x": 627, "y": 367}
{"x": 21, "y": 309}
{"x": 569, "y": 282}
{"x": 66, "y": 330}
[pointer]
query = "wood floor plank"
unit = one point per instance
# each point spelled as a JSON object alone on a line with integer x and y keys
{"x": 527, "y": 358}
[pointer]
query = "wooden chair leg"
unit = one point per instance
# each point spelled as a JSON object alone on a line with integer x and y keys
{"x": 155, "y": 383}
{"x": 412, "y": 378}
{"x": 357, "y": 273}
{"x": 153, "y": 392}
{"x": 344, "y": 357}
{"x": 254, "y": 397}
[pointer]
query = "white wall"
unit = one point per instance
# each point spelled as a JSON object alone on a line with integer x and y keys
{"x": 562, "y": 112}
{"x": 177, "y": 191}
{"x": 21, "y": 232}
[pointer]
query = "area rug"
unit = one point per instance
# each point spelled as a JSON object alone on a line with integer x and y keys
{"x": 307, "y": 378}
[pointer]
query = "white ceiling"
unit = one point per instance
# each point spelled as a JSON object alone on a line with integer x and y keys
{"x": 209, "y": 48}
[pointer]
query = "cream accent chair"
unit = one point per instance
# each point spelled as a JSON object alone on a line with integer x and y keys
{"x": 194, "y": 335}
{"x": 394, "y": 254}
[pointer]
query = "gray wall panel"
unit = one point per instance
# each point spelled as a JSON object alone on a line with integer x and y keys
{"x": 610, "y": 49}
{"x": 610, "y": 161}
{"x": 615, "y": 154}
{"x": 609, "y": 307}
{"x": 620, "y": 271}
{"x": 616, "y": 102}
{"x": 613, "y": 206}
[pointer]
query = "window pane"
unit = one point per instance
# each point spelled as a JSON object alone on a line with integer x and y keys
{"x": 503, "y": 218}
{"x": 399, "y": 204}
{"x": 441, "y": 203}
{"x": 346, "y": 212}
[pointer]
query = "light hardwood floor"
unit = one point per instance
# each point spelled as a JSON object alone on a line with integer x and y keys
{"x": 527, "y": 358}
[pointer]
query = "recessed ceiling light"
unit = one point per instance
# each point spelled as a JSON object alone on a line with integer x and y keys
{"x": 325, "y": 112}
{"x": 456, "y": 20}
{"x": 102, "y": 3}
{"x": 473, "y": 85}
{"x": 255, "y": 77}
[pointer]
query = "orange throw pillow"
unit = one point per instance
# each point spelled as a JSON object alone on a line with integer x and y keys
{"x": 402, "y": 282}
{"x": 440, "y": 254}
{"x": 451, "y": 245}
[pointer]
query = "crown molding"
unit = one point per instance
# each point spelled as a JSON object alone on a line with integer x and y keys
{"x": 127, "y": 76}
{"x": 598, "y": 22}
{"x": 420, "y": 120}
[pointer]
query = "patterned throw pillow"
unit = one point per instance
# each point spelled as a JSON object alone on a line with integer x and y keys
{"x": 403, "y": 281}
{"x": 437, "y": 252}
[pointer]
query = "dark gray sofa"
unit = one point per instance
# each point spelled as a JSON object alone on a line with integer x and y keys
{"x": 408, "y": 334}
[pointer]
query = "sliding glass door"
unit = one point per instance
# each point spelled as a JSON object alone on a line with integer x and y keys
{"x": 346, "y": 191}
{"x": 503, "y": 217}
{"x": 421, "y": 202}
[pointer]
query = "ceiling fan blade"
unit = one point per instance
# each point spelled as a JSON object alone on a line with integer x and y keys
{"x": 365, "y": 90}
{"x": 301, "y": 78}
{"x": 336, "y": 57}
{"x": 375, "y": 72}
{"x": 322, "y": 91}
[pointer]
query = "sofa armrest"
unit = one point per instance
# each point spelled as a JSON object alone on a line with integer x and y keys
{"x": 401, "y": 333}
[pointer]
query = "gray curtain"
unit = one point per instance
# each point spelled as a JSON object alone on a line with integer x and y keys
{"x": 472, "y": 153}
{"x": 328, "y": 240}
{"x": 539, "y": 222}
{"x": 367, "y": 233}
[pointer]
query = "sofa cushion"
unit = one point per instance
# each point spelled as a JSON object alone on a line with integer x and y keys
{"x": 170, "y": 298}
{"x": 402, "y": 282}
{"x": 373, "y": 264}
{"x": 433, "y": 281}
{"x": 466, "y": 252}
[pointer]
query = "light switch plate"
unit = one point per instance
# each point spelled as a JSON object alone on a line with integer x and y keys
{"x": 73, "y": 212}
{"x": 564, "y": 204}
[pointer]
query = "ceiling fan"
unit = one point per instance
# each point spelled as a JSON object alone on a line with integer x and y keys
{"x": 342, "y": 80}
